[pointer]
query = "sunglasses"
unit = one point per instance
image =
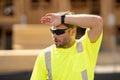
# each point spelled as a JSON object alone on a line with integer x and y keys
{"x": 58, "y": 31}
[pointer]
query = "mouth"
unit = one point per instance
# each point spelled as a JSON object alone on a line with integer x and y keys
{"x": 56, "y": 41}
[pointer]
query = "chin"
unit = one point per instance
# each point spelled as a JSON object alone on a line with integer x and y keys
{"x": 58, "y": 46}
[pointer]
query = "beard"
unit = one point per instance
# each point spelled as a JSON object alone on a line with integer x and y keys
{"x": 61, "y": 43}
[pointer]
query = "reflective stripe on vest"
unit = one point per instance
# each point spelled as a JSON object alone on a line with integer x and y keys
{"x": 84, "y": 75}
{"x": 48, "y": 62}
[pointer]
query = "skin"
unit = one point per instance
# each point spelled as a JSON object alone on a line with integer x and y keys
{"x": 93, "y": 22}
{"x": 65, "y": 40}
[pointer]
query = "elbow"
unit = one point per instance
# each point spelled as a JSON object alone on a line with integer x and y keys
{"x": 99, "y": 22}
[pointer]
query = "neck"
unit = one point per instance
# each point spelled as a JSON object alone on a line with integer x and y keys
{"x": 70, "y": 44}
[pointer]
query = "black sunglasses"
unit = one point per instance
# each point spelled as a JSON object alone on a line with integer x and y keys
{"x": 58, "y": 31}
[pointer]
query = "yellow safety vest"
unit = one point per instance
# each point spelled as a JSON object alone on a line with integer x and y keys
{"x": 48, "y": 62}
{"x": 75, "y": 63}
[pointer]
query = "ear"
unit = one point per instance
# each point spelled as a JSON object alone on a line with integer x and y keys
{"x": 73, "y": 32}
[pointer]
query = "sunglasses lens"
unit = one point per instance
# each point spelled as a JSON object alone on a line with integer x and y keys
{"x": 58, "y": 31}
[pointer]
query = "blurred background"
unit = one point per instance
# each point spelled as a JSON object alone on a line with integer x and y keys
{"x": 22, "y": 36}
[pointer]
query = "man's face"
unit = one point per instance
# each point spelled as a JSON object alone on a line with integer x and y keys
{"x": 61, "y": 35}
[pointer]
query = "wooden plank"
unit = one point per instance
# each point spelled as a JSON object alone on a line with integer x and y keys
{"x": 31, "y": 36}
{"x": 17, "y": 60}
{"x": 24, "y": 60}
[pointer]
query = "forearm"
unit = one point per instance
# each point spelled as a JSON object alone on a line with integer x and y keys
{"x": 84, "y": 20}
{"x": 93, "y": 22}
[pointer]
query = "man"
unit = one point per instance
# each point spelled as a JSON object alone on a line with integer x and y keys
{"x": 69, "y": 59}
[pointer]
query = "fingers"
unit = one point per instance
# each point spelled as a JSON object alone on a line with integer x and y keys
{"x": 45, "y": 19}
{"x": 48, "y": 19}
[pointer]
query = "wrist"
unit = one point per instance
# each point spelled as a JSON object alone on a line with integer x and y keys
{"x": 63, "y": 19}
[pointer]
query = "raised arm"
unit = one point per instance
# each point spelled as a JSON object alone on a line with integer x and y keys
{"x": 93, "y": 22}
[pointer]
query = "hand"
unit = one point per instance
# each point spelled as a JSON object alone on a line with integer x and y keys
{"x": 52, "y": 19}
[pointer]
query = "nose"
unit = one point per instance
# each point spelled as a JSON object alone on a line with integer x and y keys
{"x": 54, "y": 35}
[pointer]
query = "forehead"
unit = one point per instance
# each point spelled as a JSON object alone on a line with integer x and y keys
{"x": 61, "y": 26}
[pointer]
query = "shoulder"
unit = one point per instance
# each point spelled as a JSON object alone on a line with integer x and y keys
{"x": 48, "y": 49}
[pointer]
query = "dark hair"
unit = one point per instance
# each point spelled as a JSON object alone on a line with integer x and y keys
{"x": 67, "y": 13}
{"x": 70, "y": 26}
{"x": 79, "y": 31}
